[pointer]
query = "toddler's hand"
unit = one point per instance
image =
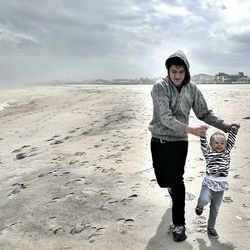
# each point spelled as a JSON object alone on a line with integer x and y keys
{"x": 235, "y": 128}
{"x": 229, "y": 127}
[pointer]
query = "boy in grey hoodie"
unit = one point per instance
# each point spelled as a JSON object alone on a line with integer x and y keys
{"x": 173, "y": 98}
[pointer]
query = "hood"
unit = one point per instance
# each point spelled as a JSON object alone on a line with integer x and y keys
{"x": 183, "y": 57}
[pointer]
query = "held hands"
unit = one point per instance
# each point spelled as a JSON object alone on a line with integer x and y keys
{"x": 202, "y": 129}
{"x": 198, "y": 131}
{"x": 234, "y": 127}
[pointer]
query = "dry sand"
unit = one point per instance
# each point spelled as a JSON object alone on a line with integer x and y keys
{"x": 76, "y": 171}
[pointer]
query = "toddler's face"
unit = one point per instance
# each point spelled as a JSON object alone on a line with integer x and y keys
{"x": 218, "y": 143}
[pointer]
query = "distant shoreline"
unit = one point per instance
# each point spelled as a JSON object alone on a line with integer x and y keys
{"x": 99, "y": 84}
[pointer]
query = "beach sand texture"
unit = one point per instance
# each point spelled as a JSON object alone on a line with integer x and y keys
{"x": 76, "y": 171}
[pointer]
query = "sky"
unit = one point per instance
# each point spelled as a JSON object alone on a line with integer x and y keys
{"x": 75, "y": 40}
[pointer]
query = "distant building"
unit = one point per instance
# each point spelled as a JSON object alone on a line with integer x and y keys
{"x": 221, "y": 77}
{"x": 243, "y": 80}
{"x": 225, "y": 78}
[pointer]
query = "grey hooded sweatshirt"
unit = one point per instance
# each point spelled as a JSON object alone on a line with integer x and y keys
{"x": 171, "y": 108}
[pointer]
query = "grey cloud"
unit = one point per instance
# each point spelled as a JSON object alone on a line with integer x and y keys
{"x": 243, "y": 37}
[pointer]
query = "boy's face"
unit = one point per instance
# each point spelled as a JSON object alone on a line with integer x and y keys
{"x": 218, "y": 143}
{"x": 177, "y": 74}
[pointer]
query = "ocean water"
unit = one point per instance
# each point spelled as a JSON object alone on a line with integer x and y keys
{"x": 3, "y": 105}
{"x": 10, "y": 103}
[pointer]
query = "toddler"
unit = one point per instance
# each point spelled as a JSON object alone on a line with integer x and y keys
{"x": 217, "y": 156}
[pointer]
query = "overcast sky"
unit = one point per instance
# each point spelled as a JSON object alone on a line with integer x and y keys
{"x": 88, "y": 39}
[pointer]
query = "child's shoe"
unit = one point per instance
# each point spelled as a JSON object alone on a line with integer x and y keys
{"x": 198, "y": 210}
{"x": 212, "y": 232}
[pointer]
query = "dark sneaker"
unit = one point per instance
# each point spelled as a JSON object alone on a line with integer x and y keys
{"x": 212, "y": 232}
{"x": 198, "y": 210}
{"x": 179, "y": 233}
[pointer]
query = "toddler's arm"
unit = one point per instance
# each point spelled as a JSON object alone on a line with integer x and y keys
{"x": 204, "y": 145}
{"x": 232, "y": 136}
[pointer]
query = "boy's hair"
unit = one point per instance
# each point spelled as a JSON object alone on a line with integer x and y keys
{"x": 175, "y": 61}
{"x": 178, "y": 62}
{"x": 216, "y": 133}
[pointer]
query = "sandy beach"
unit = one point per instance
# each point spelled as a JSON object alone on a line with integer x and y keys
{"x": 76, "y": 171}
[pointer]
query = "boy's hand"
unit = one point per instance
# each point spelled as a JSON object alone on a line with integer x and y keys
{"x": 198, "y": 131}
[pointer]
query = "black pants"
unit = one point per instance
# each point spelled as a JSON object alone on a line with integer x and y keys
{"x": 168, "y": 161}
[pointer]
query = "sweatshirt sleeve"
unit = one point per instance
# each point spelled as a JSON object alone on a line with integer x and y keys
{"x": 161, "y": 105}
{"x": 202, "y": 112}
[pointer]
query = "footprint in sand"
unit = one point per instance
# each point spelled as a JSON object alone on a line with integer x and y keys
{"x": 73, "y": 162}
{"x": 237, "y": 176}
{"x": 126, "y": 201}
{"x": 136, "y": 187}
{"x": 199, "y": 159}
{"x": 126, "y": 148}
{"x": 245, "y": 189}
{"x": 84, "y": 163}
{"x": 74, "y": 130}
{"x": 109, "y": 202}
{"x": 189, "y": 179}
{"x": 120, "y": 183}
{"x": 17, "y": 188}
{"x": 80, "y": 153}
{"x": 76, "y": 229}
{"x": 57, "y": 142}
{"x": 53, "y": 138}
{"x": 99, "y": 168}
{"x": 19, "y": 149}
{"x": 227, "y": 199}
{"x": 44, "y": 174}
{"x": 96, "y": 233}
{"x": 190, "y": 197}
{"x": 153, "y": 182}
{"x": 200, "y": 224}
{"x": 104, "y": 193}
{"x": 111, "y": 172}
{"x": 60, "y": 198}
{"x": 6, "y": 229}
{"x": 48, "y": 173}
{"x": 201, "y": 173}
{"x": 21, "y": 155}
{"x": 54, "y": 227}
{"x": 125, "y": 225}
{"x": 118, "y": 161}
{"x": 65, "y": 173}
{"x": 80, "y": 180}
{"x": 56, "y": 161}
{"x": 91, "y": 232}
